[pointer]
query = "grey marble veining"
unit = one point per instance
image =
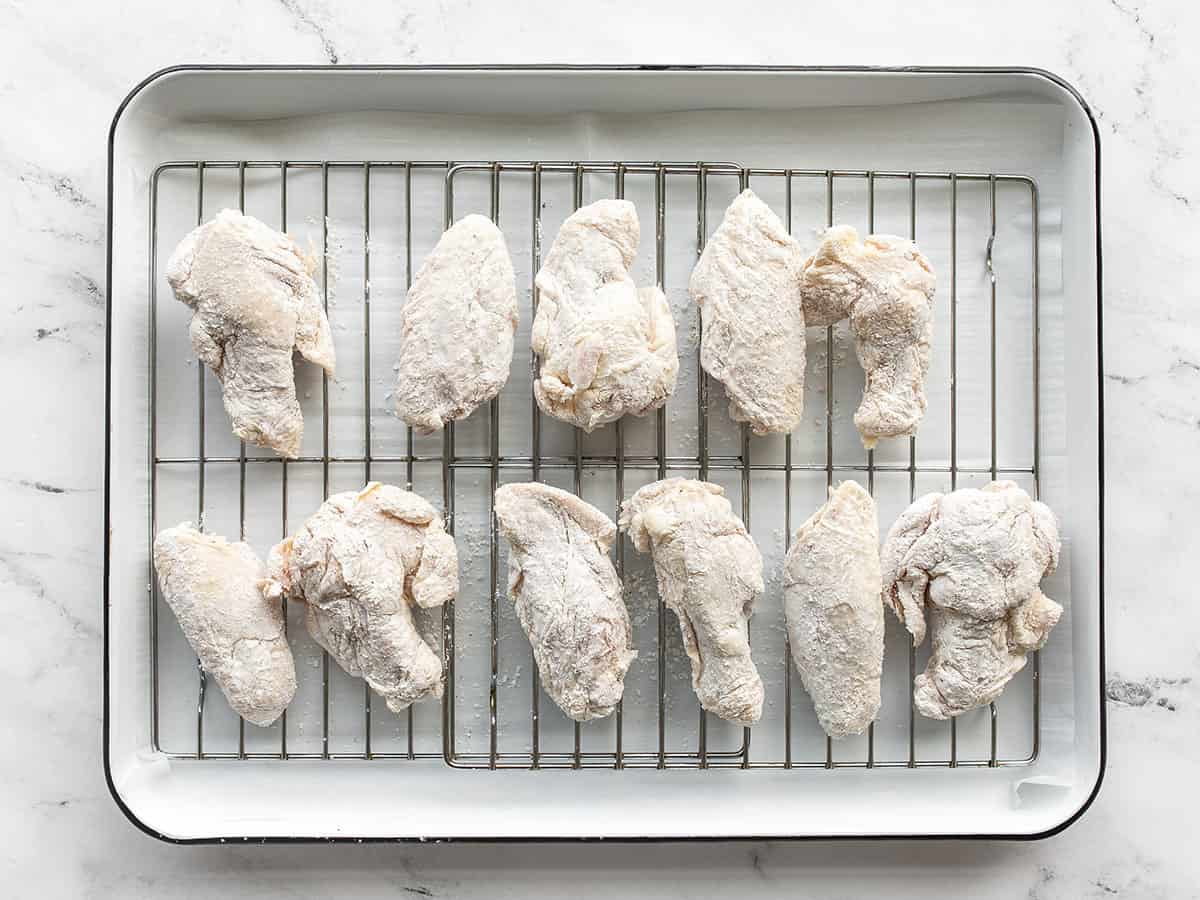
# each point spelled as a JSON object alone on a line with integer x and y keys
{"x": 67, "y": 66}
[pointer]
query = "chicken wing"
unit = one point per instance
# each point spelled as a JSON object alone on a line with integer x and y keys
{"x": 885, "y": 286}
{"x": 833, "y": 609}
{"x": 567, "y": 596}
{"x": 971, "y": 561}
{"x": 253, "y": 303}
{"x": 709, "y": 573}
{"x": 607, "y": 347}
{"x": 747, "y": 285}
{"x": 212, "y": 586}
{"x": 456, "y": 340}
{"x": 359, "y": 564}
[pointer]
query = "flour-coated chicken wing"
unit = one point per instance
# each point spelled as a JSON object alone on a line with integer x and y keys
{"x": 747, "y": 285}
{"x": 254, "y": 303}
{"x": 970, "y": 564}
{"x": 567, "y": 596}
{"x": 834, "y": 612}
{"x": 709, "y": 574}
{"x": 359, "y": 564}
{"x": 213, "y": 587}
{"x": 885, "y": 287}
{"x": 456, "y": 339}
{"x": 607, "y": 347}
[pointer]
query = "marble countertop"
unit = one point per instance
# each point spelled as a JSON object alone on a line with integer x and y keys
{"x": 66, "y": 68}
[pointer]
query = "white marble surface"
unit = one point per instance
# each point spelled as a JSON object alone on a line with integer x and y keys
{"x": 67, "y": 65}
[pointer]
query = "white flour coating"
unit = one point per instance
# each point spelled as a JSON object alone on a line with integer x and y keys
{"x": 456, "y": 340}
{"x": 567, "y": 596}
{"x": 607, "y": 347}
{"x": 685, "y": 313}
{"x": 709, "y": 574}
{"x": 747, "y": 285}
{"x": 335, "y": 249}
{"x": 213, "y": 587}
{"x": 834, "y": 611}
{"x": 359, "y": 564}
{"x": 972, "y": 562}
{"x": 331, "y": 254}
{"x": 254, "y": 302}
{"x": 474, "y": 542}
{"x": 885, "y": 286}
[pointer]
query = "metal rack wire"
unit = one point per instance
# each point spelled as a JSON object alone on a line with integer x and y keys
{"x": 660, "y": 463}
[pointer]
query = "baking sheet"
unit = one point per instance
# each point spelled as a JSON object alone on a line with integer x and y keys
{"x": 980, "y": 135}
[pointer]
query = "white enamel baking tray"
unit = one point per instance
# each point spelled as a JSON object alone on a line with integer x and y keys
{"x": 847, "y": 137}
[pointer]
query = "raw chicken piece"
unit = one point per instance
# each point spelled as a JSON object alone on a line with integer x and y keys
{"x": 567, "y": 596}
{"x": 973, "y": 561}
{"x": 359, "y": 564}
{"x": 254, "y": 302}
{"x": 709, "y": 573}
{"x": 834, "y": 614}
{"x": 456, "y": 339}
{"x": 607, "y": 348}
{"x": 212, "y": 586}
{"x": 747, "y": 285}
{"x": 885, "y": 286}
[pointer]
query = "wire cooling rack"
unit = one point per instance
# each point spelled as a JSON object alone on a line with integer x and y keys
{"x": 660, "y": 726}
